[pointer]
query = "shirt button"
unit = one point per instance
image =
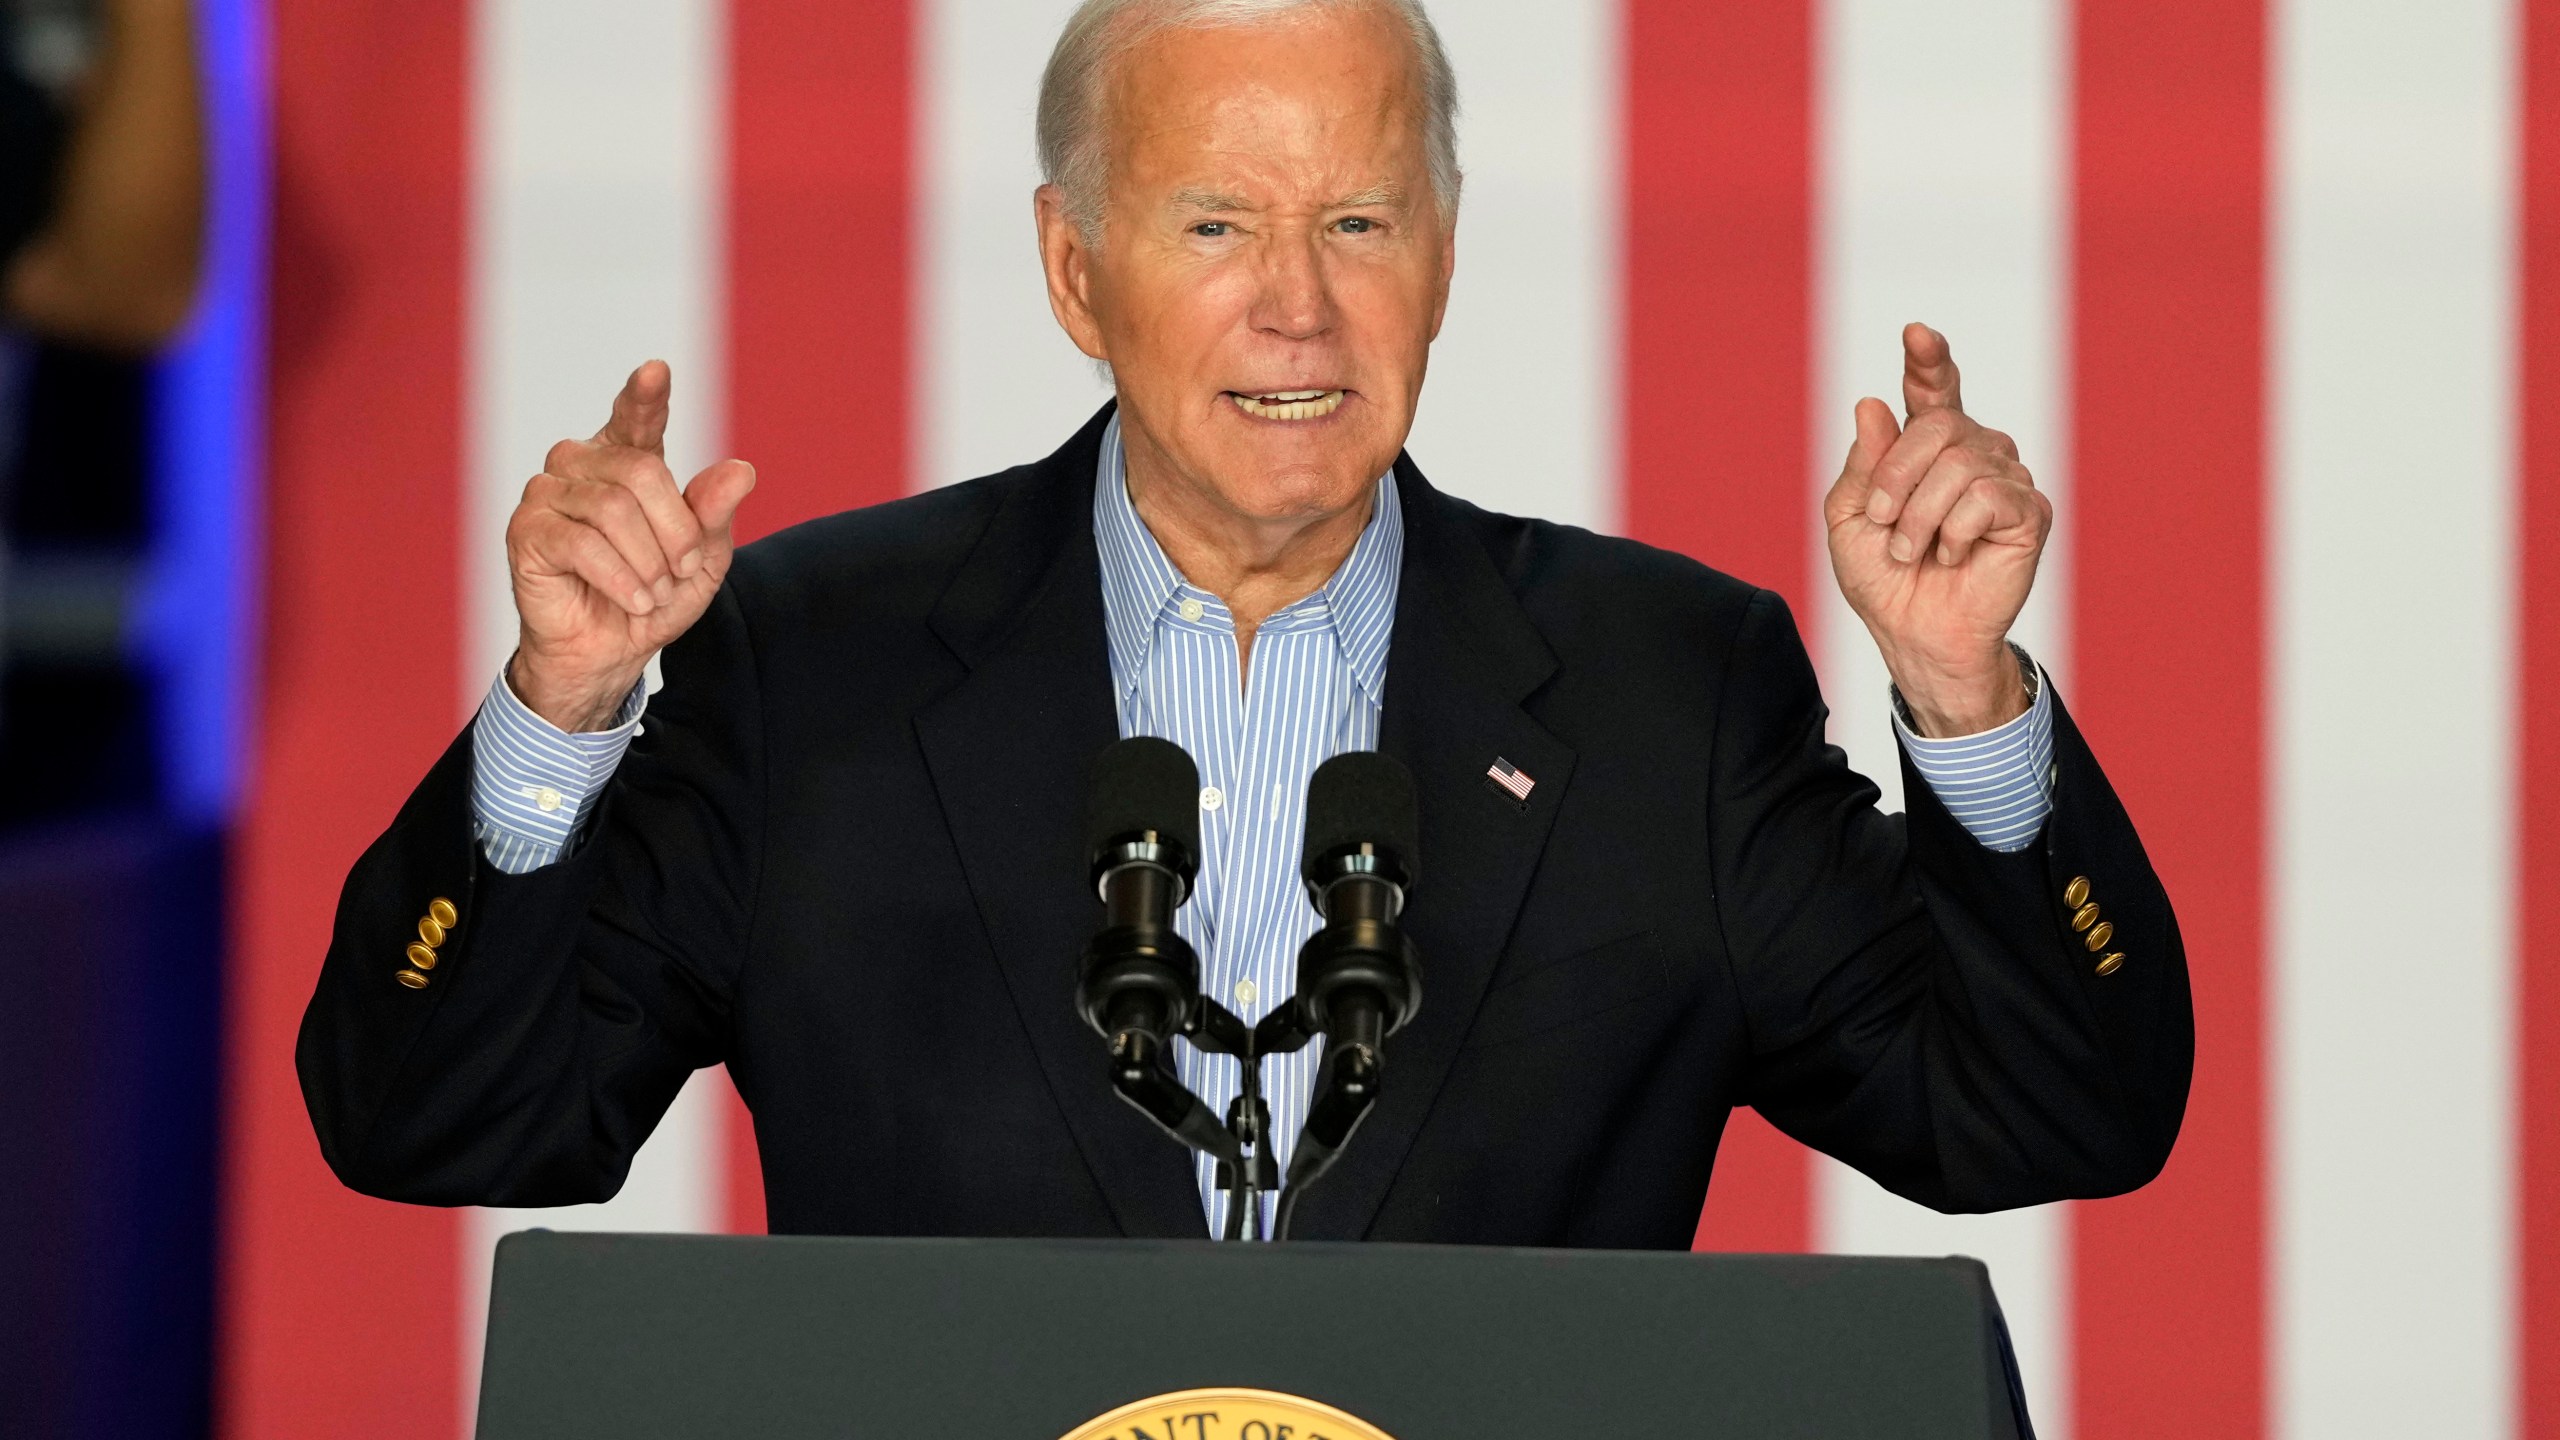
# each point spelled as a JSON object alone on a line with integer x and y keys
{"x": 547, "y": 799}
{"x": 1190, "y": 609}
{"x": 1211, "y": 797}
{"x": 1245, "y": 991}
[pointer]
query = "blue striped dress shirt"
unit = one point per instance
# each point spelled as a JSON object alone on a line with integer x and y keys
{"x": 1317, "y": 687}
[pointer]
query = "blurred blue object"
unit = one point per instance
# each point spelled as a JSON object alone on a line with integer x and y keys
{"x": 194, "y": 624}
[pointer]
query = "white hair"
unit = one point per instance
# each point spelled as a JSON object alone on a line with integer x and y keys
{"x": 1072, "y": 154}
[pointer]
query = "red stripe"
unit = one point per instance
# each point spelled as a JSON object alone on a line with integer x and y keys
{"x": 1719, "y": 160}
{"x": 820, "y": 205}
{"x": 2166, "y": 511}
{"x": 2538, "y": 731}
{"x": 339, "y": 1313}
{"x": 821, "y": 199}
{"x": 741, "y": 1172}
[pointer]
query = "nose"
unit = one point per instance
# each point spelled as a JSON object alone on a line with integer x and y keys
{"x": 1294, "y": 303}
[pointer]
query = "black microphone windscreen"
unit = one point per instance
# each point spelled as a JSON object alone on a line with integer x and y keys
{"x": 1143, "y": 783}
{"x": 1363, "y": 797}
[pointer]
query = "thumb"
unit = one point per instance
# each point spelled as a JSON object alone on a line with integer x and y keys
{"x": 714, "y": 497}
{"x": 640, "y": 411}
{"x": 1876, "y": 434}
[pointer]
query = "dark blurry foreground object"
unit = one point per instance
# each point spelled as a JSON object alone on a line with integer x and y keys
{"x": 110, "y": 939}
{"x": 110, "y": 915}
{"x": 101, "y": 221}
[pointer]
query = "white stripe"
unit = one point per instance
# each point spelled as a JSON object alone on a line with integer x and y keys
{"x": 1944, "y": 201}
{"x": 2391, "y": 536}
{"x": 595, "y": 246}
{"x": 1520, "y": 414}
{"x": 999, "y": 383}
{"x": 599, "y": 151}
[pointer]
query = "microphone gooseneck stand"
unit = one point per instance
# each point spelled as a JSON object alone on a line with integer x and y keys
{"x": 1359, "y": 979}
{"x": 1138, "y": 984}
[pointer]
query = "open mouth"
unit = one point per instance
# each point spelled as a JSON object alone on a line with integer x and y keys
{"x": 1288, "y": 404}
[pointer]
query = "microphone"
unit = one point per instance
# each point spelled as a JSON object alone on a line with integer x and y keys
{"x": 1359, "y": 980}
{"x": 1139, "y": 982}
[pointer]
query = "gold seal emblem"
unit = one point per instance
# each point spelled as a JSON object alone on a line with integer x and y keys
{"x": 1226, "y": 1412}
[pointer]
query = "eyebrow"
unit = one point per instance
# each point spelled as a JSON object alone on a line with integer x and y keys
{"x": 1387, "y": 194}
{"x": 1207, "y": 200}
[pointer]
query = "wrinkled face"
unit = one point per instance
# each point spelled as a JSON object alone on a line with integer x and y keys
{"x": 1272, "y": 265}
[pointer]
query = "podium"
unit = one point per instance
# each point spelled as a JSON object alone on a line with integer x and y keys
{"x": 678, "y": 1337}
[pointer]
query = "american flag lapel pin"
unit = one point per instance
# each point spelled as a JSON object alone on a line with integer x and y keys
{"x": 1511, "y": 780}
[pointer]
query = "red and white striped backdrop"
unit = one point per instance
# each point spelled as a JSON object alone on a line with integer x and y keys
{"x": 2271, "y": 298}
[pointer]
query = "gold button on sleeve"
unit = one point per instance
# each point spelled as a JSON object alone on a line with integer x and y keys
{"x": 2113, "y": 963}
{"x": 2076, "y": 894}
{"x": 2085, "y": 916}
{"x": 442, "y": 912}
{"x": 413, "y": 979}
{"x": 2099, "y": 937}
{"x": 430, "y": 930}
{"x": 421, "y": 956}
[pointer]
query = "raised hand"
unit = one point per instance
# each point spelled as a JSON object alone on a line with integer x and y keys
{"x": 1935, "y": 530}
{"x": 610, "y": 561}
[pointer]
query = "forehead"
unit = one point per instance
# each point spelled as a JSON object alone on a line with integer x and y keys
{"x": 1318, "y": 91}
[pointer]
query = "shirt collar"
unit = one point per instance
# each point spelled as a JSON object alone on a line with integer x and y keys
{"x": 1140, "y": 585}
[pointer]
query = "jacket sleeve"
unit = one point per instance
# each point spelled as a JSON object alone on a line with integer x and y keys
{"x": 1921, "y": 1007}
{"x": 567, "y": 1005}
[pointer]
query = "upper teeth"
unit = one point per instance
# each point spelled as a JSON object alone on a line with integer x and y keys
{"x": 1290, "y": 404}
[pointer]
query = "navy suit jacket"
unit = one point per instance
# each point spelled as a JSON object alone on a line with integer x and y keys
{"x": 844, "y": 859}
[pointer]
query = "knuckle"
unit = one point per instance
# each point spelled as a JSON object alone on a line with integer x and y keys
{"x": 542, "y": 530}
{"x": 645, "y": 475}
{"x": 616, "y": 503}
{"x": 606, "y": 561}
{"x": 563, "y": 455}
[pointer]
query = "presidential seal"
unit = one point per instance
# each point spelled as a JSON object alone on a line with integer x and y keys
{"x": 1227, "y": 1413}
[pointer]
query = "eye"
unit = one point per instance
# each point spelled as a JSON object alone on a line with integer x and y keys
{"x": 1212, "y": 229}
{"x": 1356, "y": 224}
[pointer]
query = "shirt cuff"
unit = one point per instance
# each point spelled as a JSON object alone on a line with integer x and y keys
{"x": 1999, "y": 784}
{"x": 532, "y": 782}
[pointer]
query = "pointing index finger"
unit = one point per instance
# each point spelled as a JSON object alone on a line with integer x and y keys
{"x": 1930, "y": 380}
{"x": 640, "y": 411}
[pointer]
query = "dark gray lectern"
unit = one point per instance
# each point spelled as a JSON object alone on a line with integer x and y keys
{"x": 640, "y": 1337}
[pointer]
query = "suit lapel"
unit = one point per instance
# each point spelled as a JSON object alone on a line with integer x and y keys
{"x": 1463, "y": 657}
{"x": 1010, "y": 750}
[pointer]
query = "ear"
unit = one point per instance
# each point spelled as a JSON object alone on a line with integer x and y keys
{"x": 1066, "y": 258}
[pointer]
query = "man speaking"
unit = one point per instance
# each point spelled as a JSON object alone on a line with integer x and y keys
{"x": 843, "y": 853}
